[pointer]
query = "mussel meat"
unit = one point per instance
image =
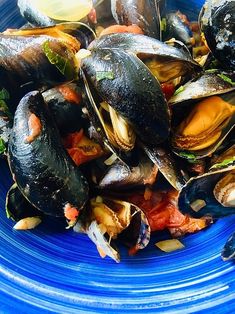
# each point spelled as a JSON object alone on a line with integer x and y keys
{"x": 206, "y": 126}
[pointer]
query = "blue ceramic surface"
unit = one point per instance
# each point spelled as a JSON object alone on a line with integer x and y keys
{"x": 51, "y": 270}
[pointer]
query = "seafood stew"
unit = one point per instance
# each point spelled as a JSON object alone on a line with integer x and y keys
{"x": 131, "y": 110}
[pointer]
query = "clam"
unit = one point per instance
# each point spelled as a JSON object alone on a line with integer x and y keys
{"x": 41, "y": 167}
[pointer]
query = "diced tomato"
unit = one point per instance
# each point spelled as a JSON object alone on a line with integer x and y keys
{"x": 135, "y": 29}
{"x": 70, "y": 94}
{"x": 162, "y": 212}
{"x": 70, "y": 212}
{"x": 80, "y": 148}
{"x": 168, "y": 90}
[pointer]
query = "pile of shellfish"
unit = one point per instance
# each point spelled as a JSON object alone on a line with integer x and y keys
{"x": 121, "y": 124}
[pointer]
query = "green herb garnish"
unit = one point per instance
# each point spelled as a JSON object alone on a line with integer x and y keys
{"x": 163, "y": 25}
{"x": 61, "y": 63}
{"x": 4, "y": 95}
{"x": 178, "y": 90}
{"x": 101, "y": 75}
{"x": 226, "y": 79}
{"x": 2, "y": 146}
{"x": 189, "y": 156}
{"x": 211, "y": 71}
{"x": 4, "y": 109}
{"x": 224, "y": 163}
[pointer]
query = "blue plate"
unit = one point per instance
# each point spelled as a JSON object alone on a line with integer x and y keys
{"x": 51, "y": 270}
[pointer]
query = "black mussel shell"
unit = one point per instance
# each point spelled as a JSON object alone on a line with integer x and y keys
{"x": 43, "y": 171}
{"x": 33, "y": 15}
{"x": 144, "y": 13}
{"x": 197, "y": 199}
{"x": 168, "y": 165}
{"x": 176, "y": 28}
{"x": 217, "y": 21}
{"x": 30, "y": 60}
{"x": 121, "y": 176}
{"x": 126, "y": 84}
{"x": 66, "y": 105}
{"x": 17, "y": 206}
{"x": 173, "y": 59}
{"x": 206, "y": 84}
{"x": 228, "y": 252}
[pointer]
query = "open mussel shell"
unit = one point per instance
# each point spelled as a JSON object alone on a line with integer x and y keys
{"x": 126, "y": 84}
{"x": 205, "y": 126}
{"x": 217, "y": 22}
{"x": 228, "y": 252}
{"x": 17, "y": 206}
{"x": 115, "y": 219}
{"x": 41, "y": 167}
{"x": 205, "y": 85}
{"x": 211, "y": 194}
{"x": 144, "y": 13}
{"x": 166, "y": 61}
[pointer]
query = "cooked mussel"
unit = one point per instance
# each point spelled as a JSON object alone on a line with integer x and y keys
{"x": 124, "y": 82}
{"x": 117, "y": 219}
{"x": 40, "y": 56}
{"x": 213, "y": 193}
{"x": 165, "y": 61}
{"x": 217, "y": 22}
{"x": 44, "y": 173}
{"x": 176, "y": 26}
{"x": 206, "y": 126}
{"x": 144, "y": 13}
